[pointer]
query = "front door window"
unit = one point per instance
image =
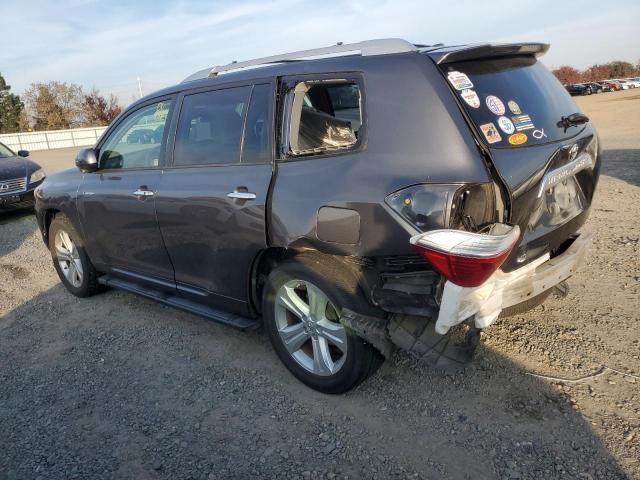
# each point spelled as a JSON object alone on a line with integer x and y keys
{"x": 138, "y": 142}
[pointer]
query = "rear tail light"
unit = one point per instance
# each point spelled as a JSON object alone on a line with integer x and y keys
{"x": 465, "y": 258}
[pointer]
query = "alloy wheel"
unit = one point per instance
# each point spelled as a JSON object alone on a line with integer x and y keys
{"x": 68, "y": 258}
{"x": 309, "y": 327}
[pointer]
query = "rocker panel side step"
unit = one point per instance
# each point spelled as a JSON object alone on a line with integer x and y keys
{"x": 220, "y": 316}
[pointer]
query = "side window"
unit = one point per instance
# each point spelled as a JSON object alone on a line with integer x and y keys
{"x": 257, "y": 131}
{"x": 210, "y": 127}
{"x": 138, "y": 142}
{"x": 325, "y": 116}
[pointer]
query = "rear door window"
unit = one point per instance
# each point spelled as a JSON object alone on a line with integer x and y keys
{"x": 210, "y": 127}
{"x": 513, "y": 102}
{"x": 257, "y": 147}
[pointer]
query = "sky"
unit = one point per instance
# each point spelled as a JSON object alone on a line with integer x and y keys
{"x": 109, "y": 44}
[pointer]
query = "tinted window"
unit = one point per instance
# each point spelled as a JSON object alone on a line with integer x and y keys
{"x": 210, "y": 127}
{"x": 138, "y": 141}
{"x": 257, "y": 133}
{"x": 512, "y": 101}
{"x": 5, "y": 152}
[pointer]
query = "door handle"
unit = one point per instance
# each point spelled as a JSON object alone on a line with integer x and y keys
{"x": 143, "y": 193}
{"x": 242, "y": 195}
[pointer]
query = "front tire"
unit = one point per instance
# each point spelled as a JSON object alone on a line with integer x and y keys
{"x": 70, "y": 258}
{"x": 302, "y": 302}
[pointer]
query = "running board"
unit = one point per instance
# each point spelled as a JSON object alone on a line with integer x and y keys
{"x": 236, "y": 321}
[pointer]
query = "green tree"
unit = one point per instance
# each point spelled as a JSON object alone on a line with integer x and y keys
{"x": 10, "y": 109}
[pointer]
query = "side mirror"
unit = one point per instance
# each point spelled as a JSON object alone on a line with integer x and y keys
{"x": 23, "y": 153}
{"x": 86, "y": 160}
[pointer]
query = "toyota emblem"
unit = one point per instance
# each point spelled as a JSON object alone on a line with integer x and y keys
{"x": 573, "y": 152}
{"x": 3, "y": 187}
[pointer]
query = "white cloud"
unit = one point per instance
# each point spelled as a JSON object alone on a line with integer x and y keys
{"x": 109, "y": 44}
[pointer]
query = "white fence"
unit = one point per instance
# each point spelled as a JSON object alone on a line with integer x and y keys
{"x": 32, "y": 141}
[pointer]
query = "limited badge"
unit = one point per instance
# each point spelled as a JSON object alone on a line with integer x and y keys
{"x": 522, "y": 122}
{"x": 518, "y": 138}
{"x": 506, "y": 125}
{"x": 490, "y": 132}
{"x": 471, "y": 97}
{"x": 514, "y": 107}
{"x": 459, "y": 80}
{"x": 495, "y": 105}
{"x": 539, "y": 133}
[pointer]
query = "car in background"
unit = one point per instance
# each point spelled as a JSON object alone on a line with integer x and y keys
{"x": 594, "y": 86}
{"x": 608, "y": 86}
{"x": 578, "y": 89}
{"x": 633, "y": 82}
{"x": 19, "y": 177}
{"x": 624, "y": 84}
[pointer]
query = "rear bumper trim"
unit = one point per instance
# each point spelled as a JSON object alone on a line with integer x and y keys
{"x": 503, "y": 290}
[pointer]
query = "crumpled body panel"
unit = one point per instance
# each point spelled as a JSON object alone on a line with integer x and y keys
{"x": 503, "y": 290}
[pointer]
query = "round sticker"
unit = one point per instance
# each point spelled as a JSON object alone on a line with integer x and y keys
{"x": 506, "y": 125}
{"x": 471, "y": 97}
{"x": 495, "y": 105}
{"x": 518, "y": 138}
{"x": 514, "y": 107}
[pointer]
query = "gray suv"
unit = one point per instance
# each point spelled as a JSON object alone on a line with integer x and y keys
{"x": 351, "y": 199}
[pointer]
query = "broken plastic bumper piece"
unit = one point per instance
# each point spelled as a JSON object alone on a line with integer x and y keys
{"x": 502, "y": 290}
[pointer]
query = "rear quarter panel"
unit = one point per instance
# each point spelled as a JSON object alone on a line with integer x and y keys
{"x": 415, "y": 134}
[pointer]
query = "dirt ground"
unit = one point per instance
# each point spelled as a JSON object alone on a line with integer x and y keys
{"x": 120, "y": 387}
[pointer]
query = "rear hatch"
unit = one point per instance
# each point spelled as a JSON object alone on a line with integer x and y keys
{"x": 514, "y": 106}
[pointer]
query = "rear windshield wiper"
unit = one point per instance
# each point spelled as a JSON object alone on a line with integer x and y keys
{"x": 572, "y": 120}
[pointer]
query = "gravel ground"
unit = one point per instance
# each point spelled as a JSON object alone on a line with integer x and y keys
{"x": 119, "y": 387}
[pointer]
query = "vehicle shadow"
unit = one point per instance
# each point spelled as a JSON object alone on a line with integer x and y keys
{"x": 623, "y": 164}
{"x": 122, "y": 385}
{"x": 15, "y": 227}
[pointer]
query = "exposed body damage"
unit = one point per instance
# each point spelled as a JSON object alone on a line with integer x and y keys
{"x": 386, "y": 195}
{"x": 503, "y": 290}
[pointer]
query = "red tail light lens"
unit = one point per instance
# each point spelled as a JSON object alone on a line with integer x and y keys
{"x": 465, "y": 258}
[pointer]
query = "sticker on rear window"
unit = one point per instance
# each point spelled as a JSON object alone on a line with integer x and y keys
{"x": 539, "y": 133}
{"x": 495, "y": 105}
{"x": 518, "y": 138}
{"x": 522, "y": 122}
{"x": 490, "y": 132}
{"x": 506, "y": 125}
{"x": 514, "y": 107}
{"x": 471, "y": 97}
{"x": 459, "y": 80}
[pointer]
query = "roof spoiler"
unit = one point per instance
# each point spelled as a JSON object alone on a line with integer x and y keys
{"x": 486, "y": 50}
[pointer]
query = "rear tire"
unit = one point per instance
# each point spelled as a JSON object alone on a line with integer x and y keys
{"x": 70, "y": 258}
{"x": 302, "y": 301}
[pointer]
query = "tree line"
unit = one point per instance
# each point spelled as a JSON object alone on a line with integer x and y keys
{"x": 595, "y": 73}
{"x": 54, "y": 106}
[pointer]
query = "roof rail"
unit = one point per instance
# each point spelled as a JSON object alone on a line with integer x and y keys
{"x": 365, "y": 48}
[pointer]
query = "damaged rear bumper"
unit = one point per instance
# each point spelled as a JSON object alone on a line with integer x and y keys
{"x": 503, "y": 290}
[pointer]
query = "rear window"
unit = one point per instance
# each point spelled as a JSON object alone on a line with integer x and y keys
{"x": 514, "y": 102}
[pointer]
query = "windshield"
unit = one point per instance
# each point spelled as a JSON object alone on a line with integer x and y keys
{"x": 5, "y": 152}
{"x": 514, "y": 102}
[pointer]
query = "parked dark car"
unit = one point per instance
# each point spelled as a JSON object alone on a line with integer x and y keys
{"x": 594, "y": 86}
{"x": 19, "y": 177}
{"x": 579, "y": 89}
{"x": 388, "y": 194}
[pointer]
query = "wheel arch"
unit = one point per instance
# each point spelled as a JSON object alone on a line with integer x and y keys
{"x": 355, "y": 281}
